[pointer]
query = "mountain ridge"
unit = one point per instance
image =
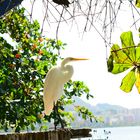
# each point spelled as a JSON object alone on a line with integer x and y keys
{"x": 113, "y": 115}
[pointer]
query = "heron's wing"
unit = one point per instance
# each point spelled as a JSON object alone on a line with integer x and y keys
{"x": 53, "y": 89}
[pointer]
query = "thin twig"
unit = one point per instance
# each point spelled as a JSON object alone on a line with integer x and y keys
{"x": 59, "y": 24}
{"x": 137, "y": 12}
{"x": 125, "y": 48}
{"x": 133, "y": 15}
{"x": 32, "y": 7}
{"x": 46, "y": 14}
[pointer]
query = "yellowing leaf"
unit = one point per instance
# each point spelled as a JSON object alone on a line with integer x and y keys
{"x": 137, "y": 3}
{"x": 128, "y": 44}
{"x": 128, "y": 81}
{"x": 118, "y": 68}
{"x": 138, "y": 53}
{"x": 138, "y": 80}
{"x": 119, "y": 56}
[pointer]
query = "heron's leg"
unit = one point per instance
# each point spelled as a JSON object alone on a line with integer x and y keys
{"x": 58, "y": 117}
{"x": 55, "y": 116}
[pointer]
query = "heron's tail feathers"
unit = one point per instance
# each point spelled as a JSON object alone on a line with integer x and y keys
{"x": 48, "y": 108}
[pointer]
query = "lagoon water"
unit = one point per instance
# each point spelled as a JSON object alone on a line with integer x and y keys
{"x": 115, "y": 133}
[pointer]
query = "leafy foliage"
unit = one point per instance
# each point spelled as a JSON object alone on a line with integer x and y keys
{"x": 124, "y": 58}
{"x": 22, "y": 70}
{"x": 23, "y": 67}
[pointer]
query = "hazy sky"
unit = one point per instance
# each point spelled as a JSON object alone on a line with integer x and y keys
{"x": 103, "y": 85}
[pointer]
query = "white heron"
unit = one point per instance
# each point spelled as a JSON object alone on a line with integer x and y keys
{"x": 54, "y": 83}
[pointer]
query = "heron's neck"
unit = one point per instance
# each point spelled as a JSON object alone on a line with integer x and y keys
{"x": 67, "y": 71}
{"x": 64, "y": 62}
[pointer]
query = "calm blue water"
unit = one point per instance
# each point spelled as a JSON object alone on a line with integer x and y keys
{"x": 115, "y": 133}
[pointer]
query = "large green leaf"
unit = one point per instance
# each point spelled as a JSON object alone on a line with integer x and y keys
{"x": 128, "y": 44}
{"x": 124, "y": 58}
{"x": 119, "y": 56}
{"x": 118, "y": 68}
{"x": 128, "y": 81}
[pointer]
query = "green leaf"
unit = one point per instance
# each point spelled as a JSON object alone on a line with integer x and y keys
{"x": 44, "y": 127}
{"x": 31, "y": 118}
{"x": 119, "y": 56}
{"x": 128, "y": 44}
{"x": 138, "y": 80}
{"x": 118, "y": 68}
{"x": 17, "y": 129}
{"x": 110, "y": 63}
{"x": 138, "y": 53}
{"x": 128, "y": 81}
{"x": 137, "y": 4}
{"x": 32, "y": 126}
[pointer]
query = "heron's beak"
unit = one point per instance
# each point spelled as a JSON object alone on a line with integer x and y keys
{"x": 77, "y": 59}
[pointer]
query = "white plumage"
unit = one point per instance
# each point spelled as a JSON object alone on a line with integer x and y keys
{"x": 54, "y": 83}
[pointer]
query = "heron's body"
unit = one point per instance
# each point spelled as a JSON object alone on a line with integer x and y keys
{"x": 54, "y": 83}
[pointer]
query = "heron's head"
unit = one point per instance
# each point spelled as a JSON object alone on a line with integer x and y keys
{"x": 70, "y": 59}
{"x": 76, "y": 59}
